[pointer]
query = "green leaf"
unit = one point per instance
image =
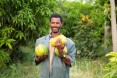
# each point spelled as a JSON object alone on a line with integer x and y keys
{"x": 112, "y": 54}
{"x": 4, "y": 58}
{"x": 20, "y": 35}
{"x": 11, "y": 40}
{"x": 113, "y": 59}
{"x": 113, "y": 72}
{"x": 9, "y": 45}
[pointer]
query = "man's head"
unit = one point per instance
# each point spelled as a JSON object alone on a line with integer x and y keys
{"x": 56, "y": 16}
{"x": 55, "y": 23}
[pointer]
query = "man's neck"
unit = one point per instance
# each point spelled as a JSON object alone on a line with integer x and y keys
{"x": 55, "y": 34}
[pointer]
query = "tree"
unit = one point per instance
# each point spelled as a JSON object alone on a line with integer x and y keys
{"x": 114, "y": 26}
{"x": 84, "y": 24}
{"x": 22, "y": 21}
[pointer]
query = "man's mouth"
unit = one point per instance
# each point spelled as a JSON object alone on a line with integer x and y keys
{"x": 55, "y": 30}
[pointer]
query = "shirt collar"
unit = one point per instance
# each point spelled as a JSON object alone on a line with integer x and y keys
{"x": 50, "y": 34}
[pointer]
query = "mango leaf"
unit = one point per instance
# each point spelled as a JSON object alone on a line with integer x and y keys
{"x": 4, "y": 58}
{"x": 113, "y": 72}
{"x": 20, "y": 35}
{"x": 7, "y": 31}
{"x": 2, "y": 42}
{"x": 8, "y": 43}
{"x": 113, "y": 59}
{"x": 114, "y": 54}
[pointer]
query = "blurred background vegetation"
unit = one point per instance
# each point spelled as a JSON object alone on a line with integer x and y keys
{"x": 86, "y": 22}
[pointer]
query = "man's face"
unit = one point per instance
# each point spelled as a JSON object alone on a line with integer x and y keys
{"x": 55, "y": 24}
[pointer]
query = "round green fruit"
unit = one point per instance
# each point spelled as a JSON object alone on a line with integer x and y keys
{"x": 41, "y": 49}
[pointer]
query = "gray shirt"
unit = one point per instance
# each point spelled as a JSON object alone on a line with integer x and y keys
{"x": 59, "y": 69}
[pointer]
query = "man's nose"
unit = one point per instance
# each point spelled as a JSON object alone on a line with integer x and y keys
{"x": 55, "y": 25}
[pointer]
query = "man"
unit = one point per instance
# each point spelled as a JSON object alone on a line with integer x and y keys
{"x": 52, "y": 66}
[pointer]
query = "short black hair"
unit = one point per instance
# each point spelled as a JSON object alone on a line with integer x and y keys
{"x": 56, "y": 16}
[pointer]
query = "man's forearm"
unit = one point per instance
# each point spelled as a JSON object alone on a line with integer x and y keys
{"x": 66, "y": 60}
{"x": 37, "y": 61}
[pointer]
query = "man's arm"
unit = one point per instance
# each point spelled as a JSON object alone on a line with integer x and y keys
{"x": 68, "y": 59}
{"x": 39, "y": 59}
{"x": 60, "y": 48}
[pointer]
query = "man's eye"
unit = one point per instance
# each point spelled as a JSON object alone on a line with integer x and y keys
{"x": 52, "y": 22}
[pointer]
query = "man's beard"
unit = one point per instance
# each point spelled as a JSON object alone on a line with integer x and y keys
{"x": 55, "y": 30}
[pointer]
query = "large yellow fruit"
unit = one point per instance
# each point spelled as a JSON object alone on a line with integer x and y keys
{"x": 62, "y": 37}
{"x": 41, "y": 49}
{"x": 53, "y": 41}
{"x": 64, "y": 51}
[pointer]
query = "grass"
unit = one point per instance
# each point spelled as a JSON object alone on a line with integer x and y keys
{"x": 87, "y": 68}
{"x": 82, "y": 68}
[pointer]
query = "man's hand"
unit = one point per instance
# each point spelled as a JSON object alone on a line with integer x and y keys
{"x": 60, "y": 47}
{"x": 40, "y": 58}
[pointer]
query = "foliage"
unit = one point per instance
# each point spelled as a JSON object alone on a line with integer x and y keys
{"x": 84, "y": 23}
{"x": 22, "y": 21}
{"x": 111, "y": 67}
{"x": 82, "y": 68}
{"x": 4, "y": 58}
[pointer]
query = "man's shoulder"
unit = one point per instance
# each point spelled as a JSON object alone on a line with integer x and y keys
{"x": 43, "y": 37}
{"x": 70, "y": 45}
{"x": 70, "y": 41}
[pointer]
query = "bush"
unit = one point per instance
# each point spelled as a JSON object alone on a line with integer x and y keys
{"x": 4, "y": 58}
{"x": 111, "y": 67}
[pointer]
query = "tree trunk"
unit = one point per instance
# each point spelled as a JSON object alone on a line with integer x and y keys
{"x": 113, "y": 24}
{"x": 106, "y": 37}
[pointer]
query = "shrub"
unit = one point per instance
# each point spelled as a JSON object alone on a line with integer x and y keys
{"x": 111, "y": 67}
